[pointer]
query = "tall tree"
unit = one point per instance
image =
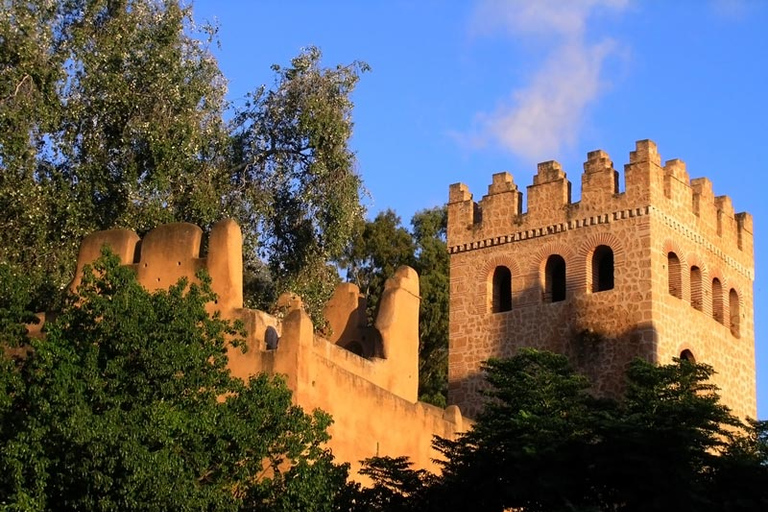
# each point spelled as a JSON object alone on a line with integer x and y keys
{"x": 295, "y": 183}
{"x": 128, "y": 405}
{"x": 432, "y": 263}
{"x": 377, "y": 249}
{"x": 112, "y": 116}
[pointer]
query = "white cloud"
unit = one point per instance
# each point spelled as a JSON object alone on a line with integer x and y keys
{"x": 546, "y": 115}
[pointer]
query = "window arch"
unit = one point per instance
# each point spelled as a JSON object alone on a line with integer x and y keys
{"x": 674, "y": 277}
{"x": 554, "y": 279}
{"x": 501, "y": 290}
{"x": 717, "y": 300}
{"x": 602, "y": 269}
{"x": 687, "y": 355}
{"x": 696, "y": 298}
{"x": 733, "y": 308}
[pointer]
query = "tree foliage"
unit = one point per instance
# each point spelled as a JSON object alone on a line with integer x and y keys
{"x": 112, "y": 115}
{"x": 544, "y": 443}
{"x": 127, "y": 404}
{"x": 377, "y": 249}
{"x": 294, "y": 179}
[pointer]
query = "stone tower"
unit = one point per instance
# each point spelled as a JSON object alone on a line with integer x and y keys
{"x": 662, "y": 269}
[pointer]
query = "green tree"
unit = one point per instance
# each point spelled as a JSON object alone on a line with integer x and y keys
{"x": 544, "y": 443}
{"x": 377, "y": 249}
{"x": 127, "y": 404}
{"x": 433, "y": 265}
{"x": 112, "y": 115}
{"x": 295, "y": 187}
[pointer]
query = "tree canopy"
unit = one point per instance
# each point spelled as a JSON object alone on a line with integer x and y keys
{"x": 377, "y": 248}
{"x": 544, "y": 443}
{"x": 127, "y": 404}
{"x": 112, "y": 114}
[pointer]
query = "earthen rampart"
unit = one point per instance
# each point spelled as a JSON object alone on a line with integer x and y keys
{"x": 658, "y": 269}
{"x": 365, "y": 376}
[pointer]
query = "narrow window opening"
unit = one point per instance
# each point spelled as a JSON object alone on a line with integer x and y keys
{"x": 696, "y": 298}
{"x": 674, "y": 278}
{"x": 502, "y": 290}
{"x": 687, "y": 355}
{"x": 733, "y": 306}
{"x": 717, "y": 300}
{"x": 554, "y": 279}
{"x": 602, "y": 269}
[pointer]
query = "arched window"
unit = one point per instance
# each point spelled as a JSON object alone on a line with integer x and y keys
{"x": 271, "y": 338}
{"x": 696, "y": 298}
{"x": 554, "y": 279}
{"x": 602, "y": 269}
{"x": 687, "y": 355}
{"x": 674, "y": 279}
{"x": 733, "y": 306}
{"x": 717, "y": 300}
{"x": 502, "y": 290}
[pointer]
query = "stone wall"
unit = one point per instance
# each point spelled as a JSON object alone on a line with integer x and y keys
{"x": 372, "y": 396}
{"x": 559, "y": 252}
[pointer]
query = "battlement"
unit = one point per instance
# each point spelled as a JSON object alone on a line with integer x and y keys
{"x": 499, "y": 216}
{"x": 365, "y": 376}
{"x": 388, "y": 349}
{"x": 663, "y": 268}
{"x": 172, "y": 251}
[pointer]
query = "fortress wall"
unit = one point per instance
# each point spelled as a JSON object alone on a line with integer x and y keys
{"x": 682, "y": 326}
{"x": 622, "y": 315}
{"x": 638, "y": 316}
{"x": 368, "y": 418}
{"x": 373, "y": 400}
{"x": 498, "y": 217}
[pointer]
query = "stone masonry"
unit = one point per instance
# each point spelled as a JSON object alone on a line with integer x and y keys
{"x": 663, "y": 269}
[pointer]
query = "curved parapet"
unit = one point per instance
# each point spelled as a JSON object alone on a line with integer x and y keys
{"x": 168, "y": 253}
{"x": 123, "y": 242}
{"x": 225, "y": 263}
{"x": 171, "y": 252}
{"x": 398, "y": 323}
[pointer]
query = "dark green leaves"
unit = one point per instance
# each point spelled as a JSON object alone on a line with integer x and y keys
{"x": 128, "y": 404}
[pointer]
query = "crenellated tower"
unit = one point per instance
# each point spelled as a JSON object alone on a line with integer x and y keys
{"x": 663, "y": 269}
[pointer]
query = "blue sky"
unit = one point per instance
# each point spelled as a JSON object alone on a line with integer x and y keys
{"x": 460, "y": 90}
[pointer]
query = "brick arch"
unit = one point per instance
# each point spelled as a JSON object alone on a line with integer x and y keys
{"x": 697, "y": 293}
{"x": 538, "y": 262}
{"x": 490, "y": 264}
{"x": 670, "y": 245}
{"x": 485, "y": 277}
{"x": 678, "y": 278}
{"x": 583, "y": 263}
{"x": 539, "y": 257}
{"x": 683, "y": 347}
{"x": 716, "y": 273}
{"x": 728, "y": 287}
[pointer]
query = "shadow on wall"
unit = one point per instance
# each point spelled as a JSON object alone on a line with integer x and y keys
{"x": 602, "y": 359}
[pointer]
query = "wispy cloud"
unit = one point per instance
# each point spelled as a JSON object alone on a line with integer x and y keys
{"x": 539, "y": 119}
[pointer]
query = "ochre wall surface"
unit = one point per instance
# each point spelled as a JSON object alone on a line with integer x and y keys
{"x": 372, "y": 396}
{"x": 660, "y": 218}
